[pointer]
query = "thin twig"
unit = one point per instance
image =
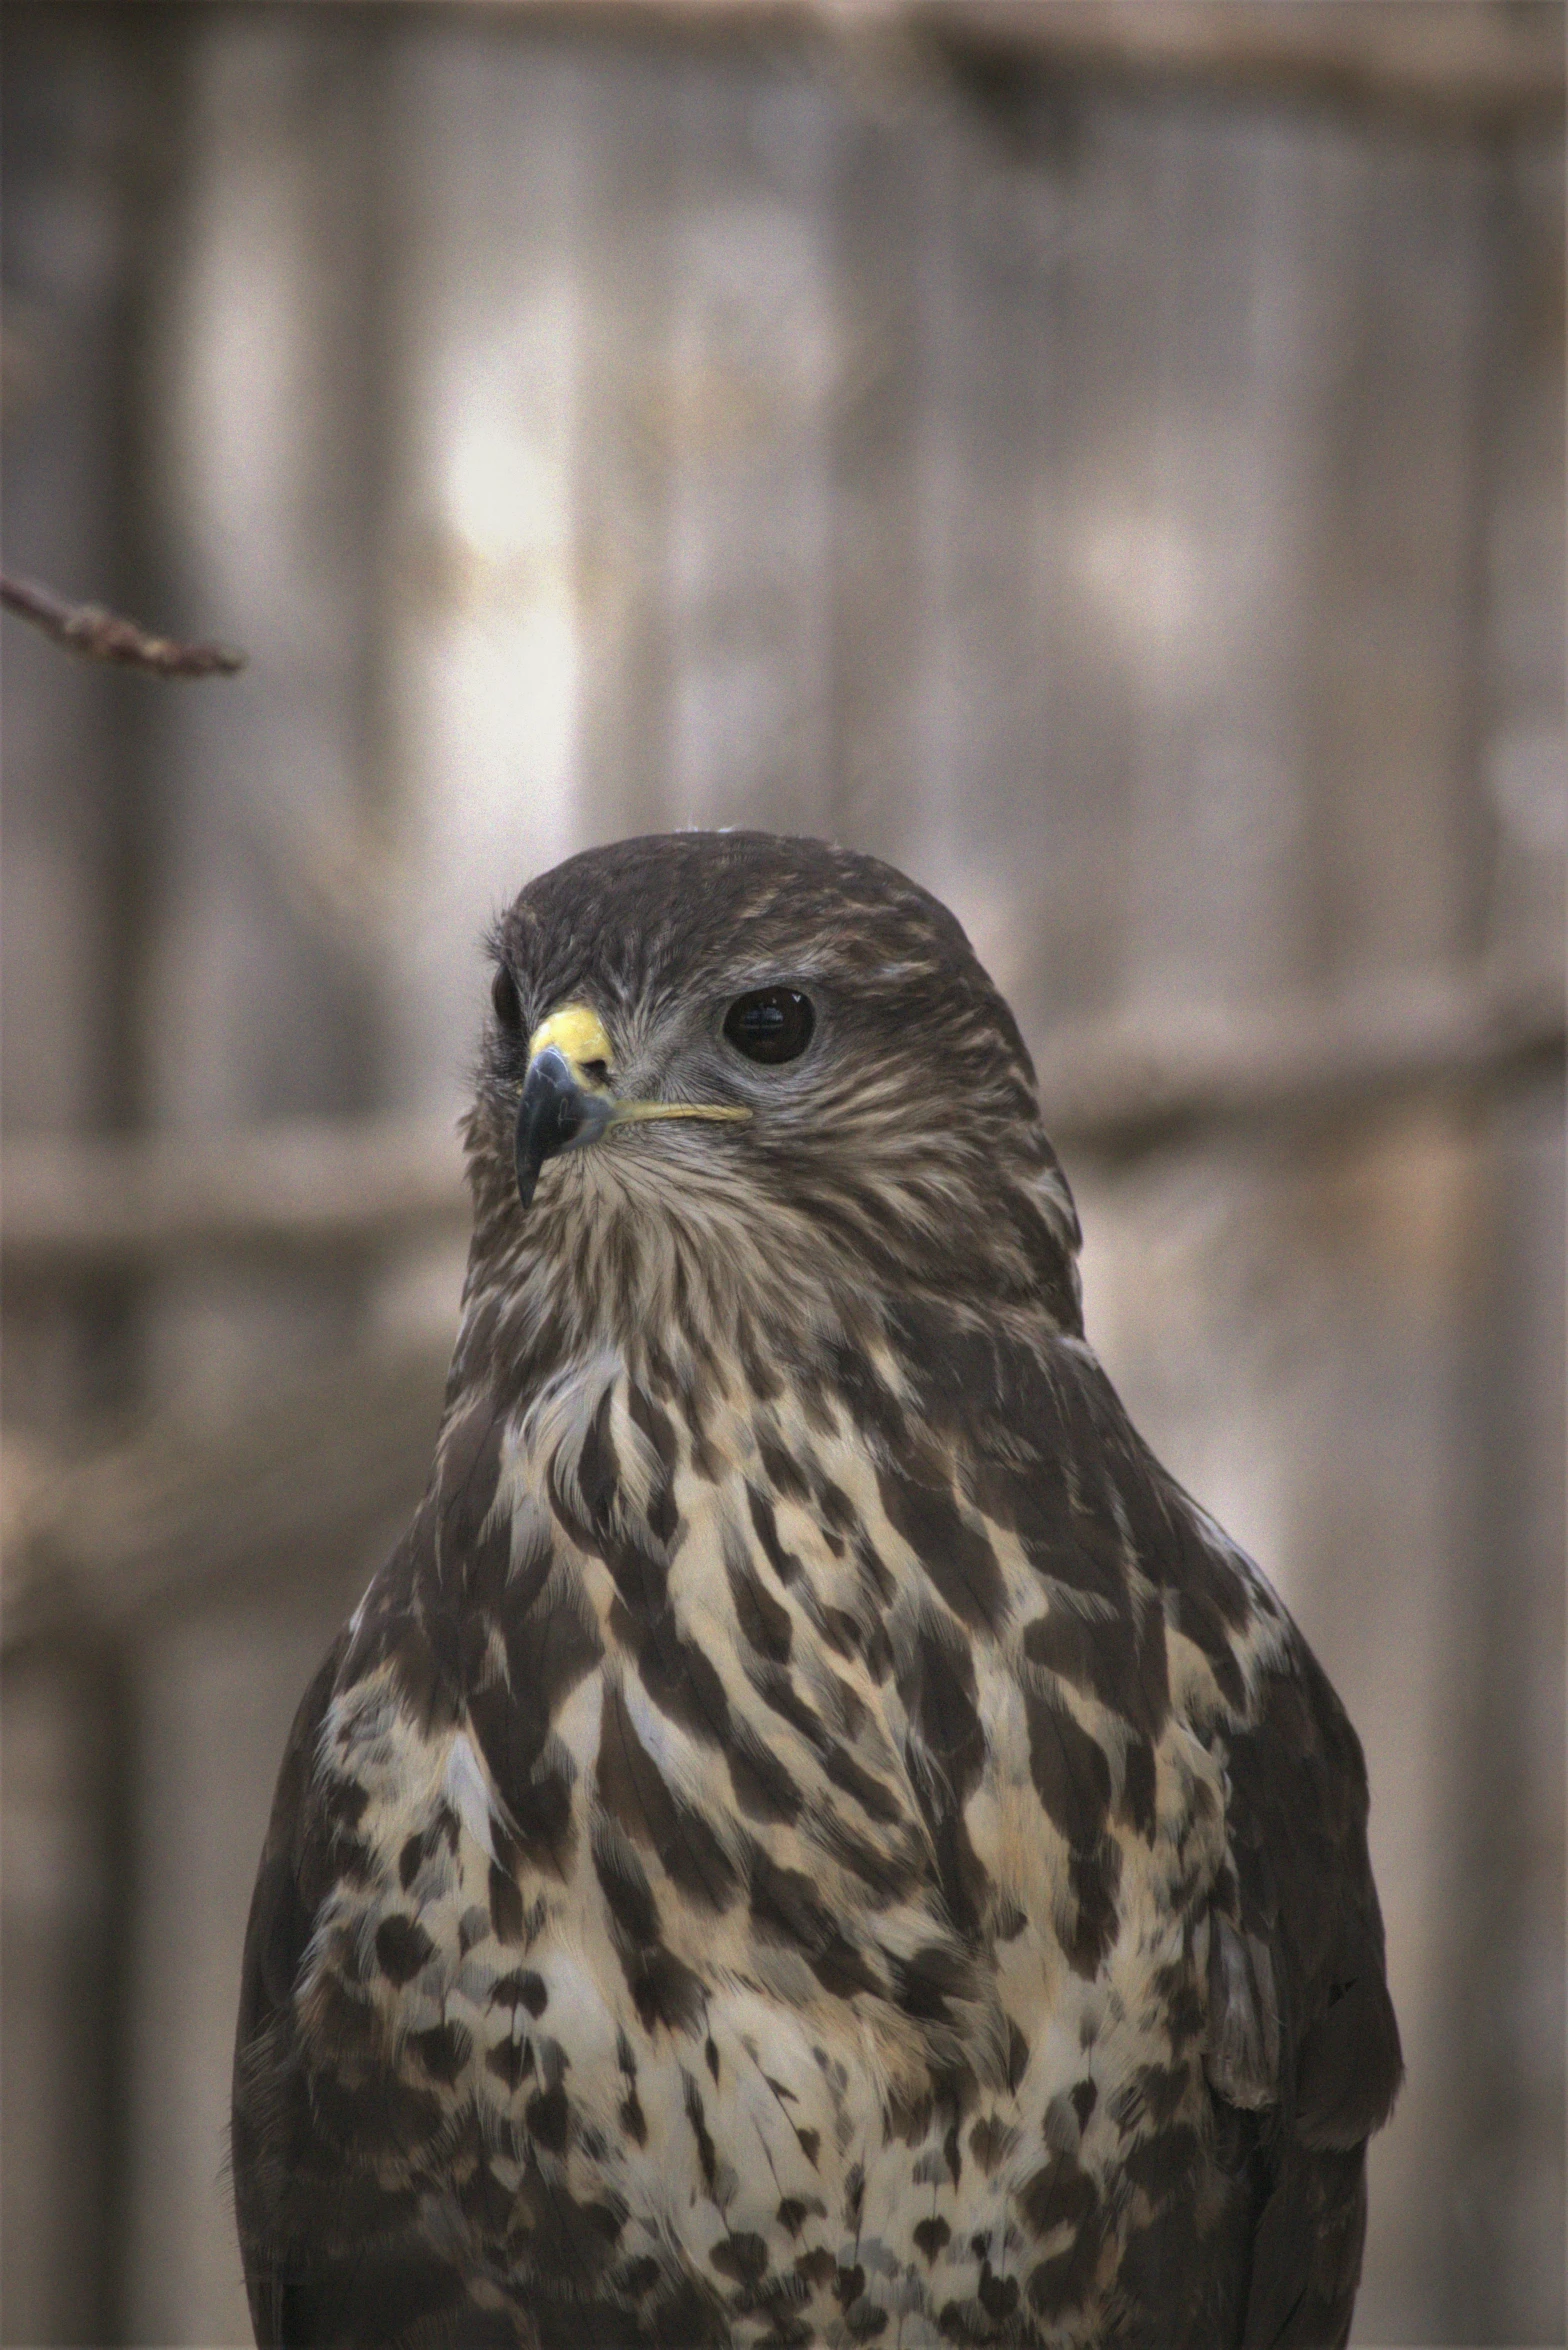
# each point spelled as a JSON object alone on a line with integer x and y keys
{"x": 105, "y": 636}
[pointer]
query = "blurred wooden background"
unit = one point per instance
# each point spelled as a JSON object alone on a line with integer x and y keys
{"x": 1107, "y": 459}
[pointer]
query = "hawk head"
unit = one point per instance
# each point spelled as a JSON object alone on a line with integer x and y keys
{"x": 730, "y": 1071}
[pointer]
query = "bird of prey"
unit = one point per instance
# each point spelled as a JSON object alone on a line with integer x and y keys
{"x": 813, "y": 1837}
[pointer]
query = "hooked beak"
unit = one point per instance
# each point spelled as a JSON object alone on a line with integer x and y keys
{"x": 567, "y": 1102}
{"x": 556, "y": 1111}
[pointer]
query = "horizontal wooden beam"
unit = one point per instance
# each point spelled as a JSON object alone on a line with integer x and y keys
{"x": 74, "y": 1209}
{"x": 308, "y": 1487}
{"x": 1110, "y": 1090}
{"x": 1464, "y": 58}
{"x": 314, "y": 1480}
{"x": 1453, "y": 57}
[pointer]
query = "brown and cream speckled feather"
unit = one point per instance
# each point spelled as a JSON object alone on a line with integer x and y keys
{"x": 814, "y": 1837}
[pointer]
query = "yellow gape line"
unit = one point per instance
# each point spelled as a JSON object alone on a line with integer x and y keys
{"x": 630, "y": 1113}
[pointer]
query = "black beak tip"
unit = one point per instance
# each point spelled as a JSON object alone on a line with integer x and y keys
{"x": 550, "y": 1115}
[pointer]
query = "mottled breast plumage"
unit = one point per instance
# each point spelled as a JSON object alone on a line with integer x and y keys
{"x": 813, "y": 1837}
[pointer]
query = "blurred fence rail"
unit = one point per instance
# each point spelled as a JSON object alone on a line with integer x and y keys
{"x": 176, "y": 1517}
{"x": 71, "y": 1210}
{"x": 1467, "y": 59}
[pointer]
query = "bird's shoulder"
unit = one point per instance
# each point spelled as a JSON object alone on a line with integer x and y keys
{"x": 1155, "y": 1622}
{"x": 329, "y": 2120}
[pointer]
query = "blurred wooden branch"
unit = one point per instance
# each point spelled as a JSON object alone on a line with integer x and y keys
{"x": 1110, "y": 1090}
{"x": 76, "y": 1208}
{"x": 1465, "y": 58}
{"x": 105, "y": 636}
{"x": 308, "y": 1483}
{"x": 314, "y": 1479}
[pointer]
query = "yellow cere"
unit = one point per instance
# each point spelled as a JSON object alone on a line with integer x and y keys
{"x": 576, "y": 1031}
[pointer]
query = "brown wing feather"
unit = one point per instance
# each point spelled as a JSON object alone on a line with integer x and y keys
{"x": 1301, "y": 2046}
{"x": 331, "y": 2255}
{"x": 1297, "y": 1819}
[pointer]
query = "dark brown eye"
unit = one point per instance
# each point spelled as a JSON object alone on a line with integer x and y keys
{"x": 504, "y": 996}
{"x": 773, "y": 1025}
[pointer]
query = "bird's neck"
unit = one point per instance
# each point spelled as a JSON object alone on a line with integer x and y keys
{"x": 689, "y": 1306}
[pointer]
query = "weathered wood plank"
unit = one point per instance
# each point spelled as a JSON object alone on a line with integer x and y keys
{"x": 1468, "y": 60}
{"x": 180, "y": 1515}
